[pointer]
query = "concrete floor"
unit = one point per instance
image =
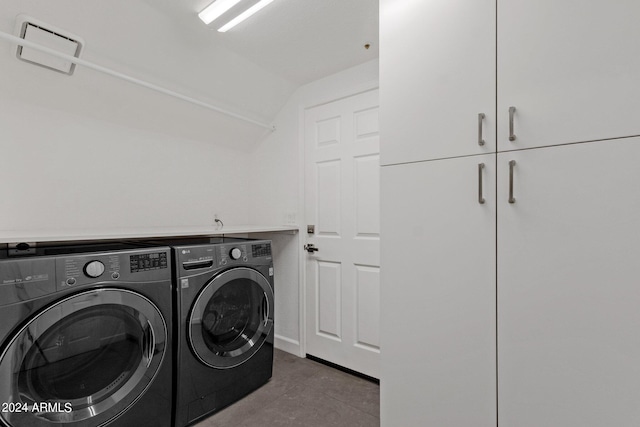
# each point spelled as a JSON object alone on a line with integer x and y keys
{"x": 304, "y": 393}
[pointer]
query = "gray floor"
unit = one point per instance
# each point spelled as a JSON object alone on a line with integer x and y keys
{"x": 304, "y": 393}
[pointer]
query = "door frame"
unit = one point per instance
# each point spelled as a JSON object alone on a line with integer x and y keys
{"x": 302, "y": 231}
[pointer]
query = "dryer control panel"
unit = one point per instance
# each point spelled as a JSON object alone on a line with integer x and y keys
{"x": 226, "y": 253}
{"x": 232, "y": 253}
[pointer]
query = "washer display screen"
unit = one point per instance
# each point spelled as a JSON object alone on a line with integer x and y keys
{"x": 146, "y": 262}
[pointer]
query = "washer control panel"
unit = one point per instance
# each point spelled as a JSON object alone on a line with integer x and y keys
{"x": 148, "y": 261}
{"x": 126, "y": 266}
{"x": 232, "y": 253}
{"x": 235, "y": 253}
{"x": 94, "y": 269}
{"x": 25, "y": 279}
{"x": 79, "y": 270}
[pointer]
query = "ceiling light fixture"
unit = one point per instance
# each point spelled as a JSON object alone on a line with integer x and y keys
{"x": 244, "y": 15}
{"x": 215, "y": 9}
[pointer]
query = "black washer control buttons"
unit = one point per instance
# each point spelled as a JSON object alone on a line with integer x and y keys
{"x": 235, "y": 253}
{"x": 94, "y": 269}
{"x": 115, "y": 275}
{"x": 71, "y": 281}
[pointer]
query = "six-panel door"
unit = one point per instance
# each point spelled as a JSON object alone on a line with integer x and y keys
{"x": 342, "y": 202}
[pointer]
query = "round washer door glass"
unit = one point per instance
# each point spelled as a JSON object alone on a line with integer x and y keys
{"x": 231, "y": 318}
{"x": 82, "y": 361}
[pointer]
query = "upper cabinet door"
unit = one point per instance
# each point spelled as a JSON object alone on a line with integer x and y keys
{"x": 569, "y": 69}
{"x": 437, "y": 75}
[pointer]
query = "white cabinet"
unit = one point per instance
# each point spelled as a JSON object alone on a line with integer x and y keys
{"x": 568, "y": 286}
{"x": 569, "y": 68}
{"x": 438, "y": 294}
{"x": 566, "y": 259}
{"x": 565, "y": 256}
{"x": 437, "y": 72}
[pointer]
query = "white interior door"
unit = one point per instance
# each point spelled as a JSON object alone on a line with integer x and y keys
{"x": 568, "y": 295}
{"x": 342, "y": 202}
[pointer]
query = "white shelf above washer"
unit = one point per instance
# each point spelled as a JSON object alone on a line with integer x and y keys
{"x": 10, "y": 236}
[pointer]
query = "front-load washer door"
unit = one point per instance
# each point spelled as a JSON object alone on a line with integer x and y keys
{"x": 231, "y": 318}
{"x": 82, "y": 361}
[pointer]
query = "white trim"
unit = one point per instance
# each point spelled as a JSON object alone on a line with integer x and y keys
{"x": 302, "y": 259}
{"x": 287, "y": 344}
{"x": 22, "y": 42}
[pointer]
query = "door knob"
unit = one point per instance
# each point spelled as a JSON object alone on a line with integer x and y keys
{"x": 310, "y": 248}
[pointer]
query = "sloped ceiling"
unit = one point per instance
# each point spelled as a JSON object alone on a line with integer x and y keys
{"x": 304, "y": 40}
{"x": 251, "y": 69}
{"x": 299, "y": 40}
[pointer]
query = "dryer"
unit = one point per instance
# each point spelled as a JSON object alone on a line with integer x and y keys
{"x": 86, "y": 337}
{"x": 225, "y": 302}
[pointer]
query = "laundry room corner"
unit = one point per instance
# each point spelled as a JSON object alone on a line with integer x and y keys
{"x": 154, "y": 236}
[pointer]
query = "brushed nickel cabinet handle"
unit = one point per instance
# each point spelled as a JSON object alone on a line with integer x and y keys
{"x": 480, "y": 198}
{"x": 512, "y": 164}
{"x": 480, "y": 119}
{"x": 512, "y": 112}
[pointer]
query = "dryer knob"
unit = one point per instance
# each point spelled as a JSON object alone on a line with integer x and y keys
{"x": 235, "y": 253}
{"x": 94, "y": 269}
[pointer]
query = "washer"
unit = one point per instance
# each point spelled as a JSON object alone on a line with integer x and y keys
{"x": 86, "y": 337}
{"x": 225, "y": 312}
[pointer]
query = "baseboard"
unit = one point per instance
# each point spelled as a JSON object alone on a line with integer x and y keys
{"x": 289, "y": 345}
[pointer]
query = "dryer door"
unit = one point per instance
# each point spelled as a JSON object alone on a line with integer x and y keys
{"x": 231, "y": 318}
{"x": 82, "y": 361}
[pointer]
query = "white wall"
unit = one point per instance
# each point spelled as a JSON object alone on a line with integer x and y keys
{"x": 64, "y": 171}
{"x": 277, "y": 190}
{"x": 91, "y": 151}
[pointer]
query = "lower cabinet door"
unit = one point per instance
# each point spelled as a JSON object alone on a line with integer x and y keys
{"x": 438, "y": 306}
{"x": 569, "y": 286}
